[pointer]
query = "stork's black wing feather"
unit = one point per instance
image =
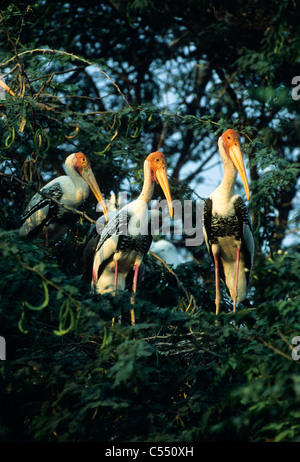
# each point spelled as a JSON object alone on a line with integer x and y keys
{"x": 207, "y": 216}
{"x": 118, "y": 225}
{"x": 41, "y": 209}
{"x": 39, "y": 200}
{"x": 242, "y": 213}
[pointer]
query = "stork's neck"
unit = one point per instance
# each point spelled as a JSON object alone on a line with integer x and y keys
{"x": 148, "y": 186}
{"x": 228, "y": 182}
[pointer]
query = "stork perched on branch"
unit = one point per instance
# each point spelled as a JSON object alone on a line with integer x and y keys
{"x": 227, "y": 225}
{"x": 43, "y": 216}
{"x": 126, "y": 238}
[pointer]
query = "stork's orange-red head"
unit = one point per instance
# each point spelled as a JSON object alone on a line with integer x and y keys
{"x": 81, "y": 161}
{"x": 157, "y": 161}
{"x": 230, "y": 137}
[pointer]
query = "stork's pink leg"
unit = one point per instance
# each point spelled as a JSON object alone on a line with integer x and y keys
{"x": 115, "y": 291}
{"x": 235, "y": 292}
{"x": 116, "y": 276}
{"x": 134, "y": 286}
{"x": 217, "y": 277}
{"x": 94, "y": 275}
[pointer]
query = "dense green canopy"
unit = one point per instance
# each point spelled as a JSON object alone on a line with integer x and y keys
{"x": 117, "y": 80}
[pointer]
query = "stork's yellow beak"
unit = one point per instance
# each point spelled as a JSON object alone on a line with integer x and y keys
{"x": 89, "y": 177}
{"x": 237, "y": 158}
{"x": 6, "y": 87}
{"x": 161, "y": 175}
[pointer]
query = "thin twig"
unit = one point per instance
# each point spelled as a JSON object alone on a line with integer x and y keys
{"x": 271, "y": 347}
{"x": 56, "y": 73}
{"x": 172, "y": 272}
{"x": 275, "y": 349}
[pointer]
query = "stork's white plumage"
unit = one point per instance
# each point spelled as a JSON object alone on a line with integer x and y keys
{"x": 126, "y": 238}
{"x": 168, "y": 252}
{"x": 227, "y": 225}
{"x": 45, "y": 217}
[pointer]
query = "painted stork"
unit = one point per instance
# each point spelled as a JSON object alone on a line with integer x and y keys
{"x": 227, "y": 225}
{"x": 126, "y": 238}
{"x": 43, "y": 216}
